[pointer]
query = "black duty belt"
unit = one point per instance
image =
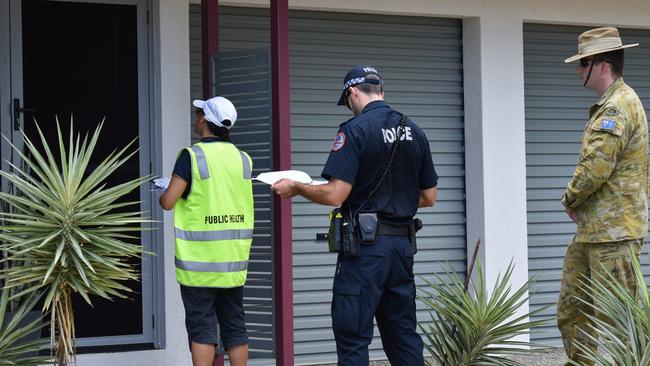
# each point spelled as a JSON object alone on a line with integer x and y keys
{"x": 393, "y": 230}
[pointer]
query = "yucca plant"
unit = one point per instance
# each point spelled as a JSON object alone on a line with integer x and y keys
{"x": 20, "y": 324}
{"x": 623, "y": 330}
{"x": 475, "y": 327}
{"x": 15, "y": 348}
{"x": 65, "y": 230}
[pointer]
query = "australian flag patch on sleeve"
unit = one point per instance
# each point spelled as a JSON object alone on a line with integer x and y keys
{"x": 607, "y": 124}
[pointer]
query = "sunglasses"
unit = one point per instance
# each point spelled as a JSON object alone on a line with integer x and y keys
{"x": 347, "y": 99}
{"x": 199, "y": 112}
{"x": 585, "y": 62}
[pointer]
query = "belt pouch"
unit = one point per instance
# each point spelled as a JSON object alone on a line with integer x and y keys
{"x": 368, "y": 227}
{"x": 351, "y": 246}
{"x": 334, "y": 234}
{"x": 414, "y": 227}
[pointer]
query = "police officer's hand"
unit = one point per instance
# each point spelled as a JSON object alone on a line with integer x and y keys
{"x": 573, "y": 214}
{"x": 286, "y": 188}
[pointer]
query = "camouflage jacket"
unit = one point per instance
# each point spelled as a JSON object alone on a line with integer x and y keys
{"x": 609, "y": 189}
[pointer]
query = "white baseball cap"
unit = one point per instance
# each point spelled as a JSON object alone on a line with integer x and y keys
{"x": 217, "y": 110}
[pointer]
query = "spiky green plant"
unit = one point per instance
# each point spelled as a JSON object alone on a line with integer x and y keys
{"x": 14, "y": 349}
{"x": 475, "y": 327}
{"x": 623, "y": 329}
{"x": 65, "y": 230}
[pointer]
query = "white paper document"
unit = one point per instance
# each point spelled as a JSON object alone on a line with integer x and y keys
{"x": 297, "y": 175}
{"x": 161, "y": 183}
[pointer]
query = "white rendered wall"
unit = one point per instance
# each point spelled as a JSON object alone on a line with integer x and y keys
{"x": 629, "y": 13}
{"x": 500, "y": 123}
{"x": 495, "y": 146}
{"x": 171, "y": 108}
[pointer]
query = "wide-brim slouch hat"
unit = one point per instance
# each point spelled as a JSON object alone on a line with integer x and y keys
{"x": 599, "y": 40}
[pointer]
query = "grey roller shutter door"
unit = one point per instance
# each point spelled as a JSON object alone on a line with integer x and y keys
{"x": 556, "y": 112}
{"x": 421, "y": 61}
{"x": 244, "y": 78}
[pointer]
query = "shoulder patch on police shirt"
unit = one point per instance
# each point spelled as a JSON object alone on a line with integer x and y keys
{"x": 339, "y": 141}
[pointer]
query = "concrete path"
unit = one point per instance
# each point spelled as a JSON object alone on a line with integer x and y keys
{"x": 554, "y": 357}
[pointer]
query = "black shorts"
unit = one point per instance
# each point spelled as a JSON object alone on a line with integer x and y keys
{"x": 204, "y": 306}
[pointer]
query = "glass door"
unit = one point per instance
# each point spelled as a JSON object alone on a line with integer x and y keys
{"x": 86, "y": 61}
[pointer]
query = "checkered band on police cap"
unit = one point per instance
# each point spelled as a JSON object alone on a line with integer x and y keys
{"x": 357, "y": 75}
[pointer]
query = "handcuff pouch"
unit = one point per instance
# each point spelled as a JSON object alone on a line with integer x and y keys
{"x": 368, "y": 227}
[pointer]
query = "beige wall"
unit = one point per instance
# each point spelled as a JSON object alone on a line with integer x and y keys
{"x": 630, "y": 13}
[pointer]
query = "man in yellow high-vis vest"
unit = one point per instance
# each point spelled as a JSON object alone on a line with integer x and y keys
{"x": 212, "y": 197}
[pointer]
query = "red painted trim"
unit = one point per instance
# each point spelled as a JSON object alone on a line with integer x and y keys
{"x": 210, "y": 40}
{"x": 218, "y": 360}
{"x": 282, "y": 225}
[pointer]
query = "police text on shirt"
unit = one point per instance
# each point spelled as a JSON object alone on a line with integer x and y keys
{"x": 389, "y": 135}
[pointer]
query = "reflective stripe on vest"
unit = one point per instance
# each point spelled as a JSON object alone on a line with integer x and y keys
{"x": 214, "y": 225}
{"x": 201, "y": 162}
{"x": 245, "y": 164}
{"x": 213, "y": 235}
{"x": 212, "y": 266}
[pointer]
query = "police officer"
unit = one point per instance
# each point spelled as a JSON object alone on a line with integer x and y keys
{"x": 608, "y": 195}
{"x": 211, "y": 194}
{"x": 379, "y": 283}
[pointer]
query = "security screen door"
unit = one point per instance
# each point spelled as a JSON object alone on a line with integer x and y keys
{"x": 85, "y": 60}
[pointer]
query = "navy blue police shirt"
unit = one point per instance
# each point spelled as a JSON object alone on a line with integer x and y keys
{"x": 183, "y": 166}
{"x": 359, "y": 156}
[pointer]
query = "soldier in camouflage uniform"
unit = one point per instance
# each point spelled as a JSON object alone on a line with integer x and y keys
{"x": 608, "y": 195}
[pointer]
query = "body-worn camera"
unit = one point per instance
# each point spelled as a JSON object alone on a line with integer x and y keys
{"x": 341, "y": 236}
{"x": 351, "y": 245}
{"x": 334, "y": 233}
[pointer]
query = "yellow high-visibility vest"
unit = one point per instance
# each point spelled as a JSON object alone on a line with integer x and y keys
{"x": 214, "y": 224}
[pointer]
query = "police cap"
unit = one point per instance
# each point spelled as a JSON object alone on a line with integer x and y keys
{"x": 358, "y": 76}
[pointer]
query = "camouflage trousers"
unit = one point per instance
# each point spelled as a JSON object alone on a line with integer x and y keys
{"x": 582, "y": 261}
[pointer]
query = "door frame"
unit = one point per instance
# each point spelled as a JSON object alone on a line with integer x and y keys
{"x": 10, "y": 66}
{"x": 5, "y": 86}
{"x": 11, "y": 86}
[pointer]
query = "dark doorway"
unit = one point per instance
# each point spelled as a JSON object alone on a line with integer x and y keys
{"x": 80, "y": 61}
